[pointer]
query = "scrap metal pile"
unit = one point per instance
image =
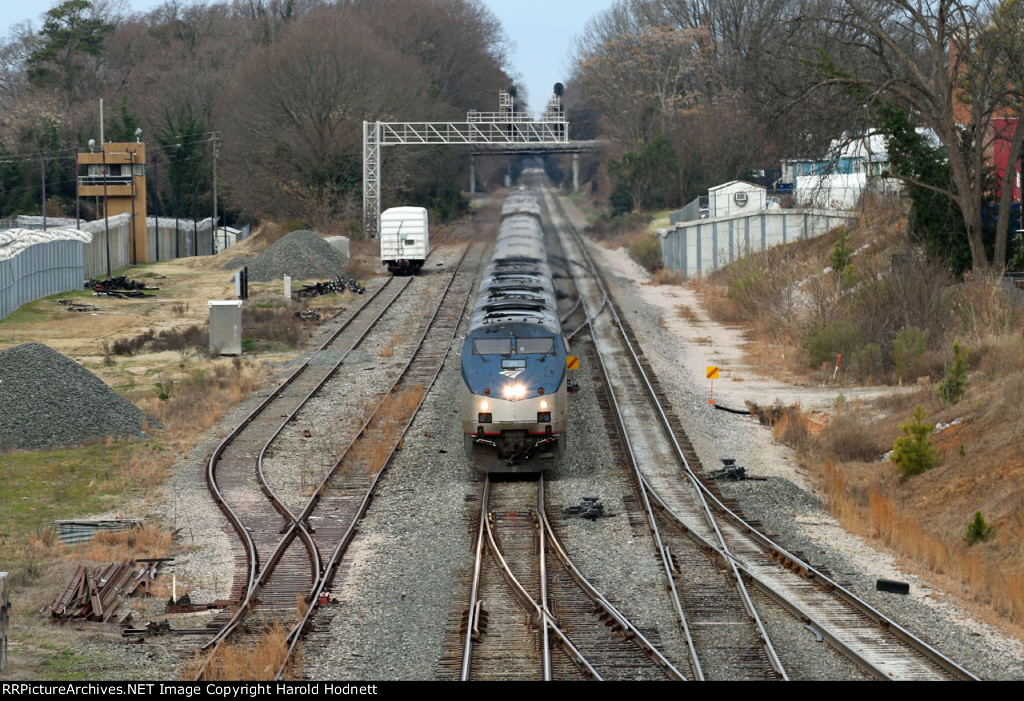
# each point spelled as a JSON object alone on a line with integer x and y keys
{"x": 96, "y": 595}
{"x": 120, "y": 286}
{"x": 338, "y": 284}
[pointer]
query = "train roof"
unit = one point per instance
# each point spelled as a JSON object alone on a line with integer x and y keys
{"x": 517, "y": 285}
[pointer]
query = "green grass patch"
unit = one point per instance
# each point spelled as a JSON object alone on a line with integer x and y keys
{"x": 73, "y": 665}
{"x": 39, "y": 487}
{"x": 660, "y": 220}
{"x": 31, "y": 313}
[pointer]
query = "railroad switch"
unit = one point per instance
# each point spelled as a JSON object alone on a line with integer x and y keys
{"x": 730, "y": 471}
{"x": 590, "y": 507}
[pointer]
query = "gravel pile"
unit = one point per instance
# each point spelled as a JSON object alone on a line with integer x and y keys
{"x": 301, "y": 254}
{"x": 50, "y": 400}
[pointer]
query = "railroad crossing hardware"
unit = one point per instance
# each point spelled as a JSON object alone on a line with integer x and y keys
{"x": 97, "y": 594}
{"x": 73, "y": 306}
{"x": 572, "y": 364}
{"x": 120, "y": 286}
{"x": 730, "y": 471}
{"x": 590, "y": 507}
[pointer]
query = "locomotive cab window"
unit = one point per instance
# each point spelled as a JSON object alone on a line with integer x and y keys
{"x": 492, "y": 346}
{"x": 535, "y": 345}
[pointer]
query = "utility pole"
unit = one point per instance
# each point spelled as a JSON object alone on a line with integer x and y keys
{"x": 42, "y": 159}
{"x": 216, "y": 153}
{"x": 135, "y": 255}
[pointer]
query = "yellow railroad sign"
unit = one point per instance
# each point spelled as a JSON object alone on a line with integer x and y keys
{"x": 712, "y": 372}
{"x": 572, "y": 362}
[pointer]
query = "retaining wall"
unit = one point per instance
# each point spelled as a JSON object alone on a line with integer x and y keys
{"x": 702, "y": 246}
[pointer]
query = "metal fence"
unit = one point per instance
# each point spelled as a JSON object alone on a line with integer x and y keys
{"x": 37, "y": 271}
{"x": 52, "y": 267}
{"x": 1014, "y": 283}
{"x": 690, "y": 212}
{"x": 700, "y": 247}
{"x": 167, "y": 238}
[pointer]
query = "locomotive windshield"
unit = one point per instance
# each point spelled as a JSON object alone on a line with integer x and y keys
{"x": 506, "y": 346}
{"x": 492, "y": 346}
{"x": 535, "y": 345}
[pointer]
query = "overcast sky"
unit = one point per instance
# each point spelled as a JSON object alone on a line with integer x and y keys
{"x": 543, "y": 32}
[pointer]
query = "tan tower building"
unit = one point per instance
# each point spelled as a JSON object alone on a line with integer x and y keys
{"x": 118, "y": 175}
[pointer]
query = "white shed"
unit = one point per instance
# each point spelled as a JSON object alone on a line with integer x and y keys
{"x": 736, "y": 197}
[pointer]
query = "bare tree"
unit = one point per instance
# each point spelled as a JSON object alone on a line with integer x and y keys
{"x": 459, "y": 43}
{"x": 298, "y": 108}
{"x": 930, "y": 57}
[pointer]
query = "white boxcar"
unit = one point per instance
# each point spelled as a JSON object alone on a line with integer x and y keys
{"x": 404, "y": 239}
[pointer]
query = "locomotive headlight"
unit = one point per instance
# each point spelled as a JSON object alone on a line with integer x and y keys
{"x": 485, "y": 405}
{"x": 543, "y": 404}
{"x": 514, "y": 391}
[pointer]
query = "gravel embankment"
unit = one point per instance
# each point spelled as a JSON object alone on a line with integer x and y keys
{"x": 795, "y": 517}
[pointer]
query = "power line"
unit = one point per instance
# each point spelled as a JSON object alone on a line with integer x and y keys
{"x": 60, "y": 154}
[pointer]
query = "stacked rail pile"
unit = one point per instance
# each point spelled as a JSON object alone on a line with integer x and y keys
{"x": 96, "y": 595}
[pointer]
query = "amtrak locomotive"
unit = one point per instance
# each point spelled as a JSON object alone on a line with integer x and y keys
{"x": 514, "y": 410}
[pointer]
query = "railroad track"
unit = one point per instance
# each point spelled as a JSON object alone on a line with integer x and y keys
{"x": 337, "y": 505}
{"x": 275, "y": 539}
{"x": 532, "y": 615}
{"x": 689, "y": 510}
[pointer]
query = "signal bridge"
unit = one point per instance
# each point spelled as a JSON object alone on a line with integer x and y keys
{"x": 505, "y": 132}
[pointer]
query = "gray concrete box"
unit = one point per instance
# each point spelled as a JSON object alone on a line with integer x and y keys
{"x": 226, "y": 327}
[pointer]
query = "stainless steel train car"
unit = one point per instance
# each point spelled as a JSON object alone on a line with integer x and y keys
{"x": 514, "y": 398}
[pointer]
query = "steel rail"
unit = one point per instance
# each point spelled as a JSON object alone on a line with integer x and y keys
{"x": 474, "y": 591}
{"x": 741, "y": 588}
{"x": 542, "y": 549}
{"x": 809, "y": 572}
{"x": 256, "y": 575}
{"x": 233, "y": 518}
{"x": 601, "y": 600}
{"x": 770, "y": 591}
{"x": 543, "y": 615}
{"x": 328, "y": 570}
{"x": 694, "y": 661}
{"x": 252, "y": 556}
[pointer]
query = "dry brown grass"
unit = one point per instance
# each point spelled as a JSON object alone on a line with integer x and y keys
{"x": 373, "y": 449}
{"x": 973, "y": 571}
{"x": 146, "y": 541}
{"x": 241, "y": 662}
{"x": 789, "y": 424}
{"x": 668, "y": 277}
{"x": 388, "y": 349}
{"x": 199, "y": 394}
{"x": 684, "y": 312}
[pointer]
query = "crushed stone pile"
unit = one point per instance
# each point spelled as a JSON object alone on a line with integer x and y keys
{"x": 301, "y": 254}
{"x": 48, "y": 400}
